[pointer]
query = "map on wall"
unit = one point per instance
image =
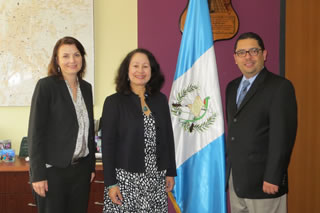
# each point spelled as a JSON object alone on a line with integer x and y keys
{"x": 29, "y": 30}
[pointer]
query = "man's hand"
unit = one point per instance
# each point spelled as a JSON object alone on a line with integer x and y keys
{"x": 270, "y": 188}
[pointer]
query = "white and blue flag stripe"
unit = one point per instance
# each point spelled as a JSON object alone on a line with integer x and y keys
{"x": 197, "y": 118}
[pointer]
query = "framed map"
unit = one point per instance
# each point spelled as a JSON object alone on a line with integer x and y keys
{"x": 29, "y": 30}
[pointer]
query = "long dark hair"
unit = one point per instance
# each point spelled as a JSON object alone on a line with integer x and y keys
{"x": 156, "y": 81}
{"x": 53, "y": 65}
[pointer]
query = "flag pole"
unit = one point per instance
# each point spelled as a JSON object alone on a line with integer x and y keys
{"x": 174, "y": 203}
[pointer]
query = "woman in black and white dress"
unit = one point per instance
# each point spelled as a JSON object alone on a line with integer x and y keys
{"x": 137, "y": 139}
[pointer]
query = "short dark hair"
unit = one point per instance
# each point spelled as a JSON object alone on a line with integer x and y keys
{"x": 53, "y": 65}
{"x": 156, "y": 81}
{"x": 251, "y": 35}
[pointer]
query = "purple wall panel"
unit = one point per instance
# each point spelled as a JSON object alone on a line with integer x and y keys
{"x": 158, "y": 31}
{"x": 262, "y": 17}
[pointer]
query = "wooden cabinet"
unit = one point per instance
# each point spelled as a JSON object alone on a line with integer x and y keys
{"x": 15, "y": 189}
{"x": 16, "y": 195}
{"x": 96, "y": 192}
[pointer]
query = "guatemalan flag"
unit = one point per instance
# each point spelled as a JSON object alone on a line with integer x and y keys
{"x": 197, "y": 119}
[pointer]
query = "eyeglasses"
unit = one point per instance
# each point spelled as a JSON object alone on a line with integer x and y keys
{"x": 252, "y": 52}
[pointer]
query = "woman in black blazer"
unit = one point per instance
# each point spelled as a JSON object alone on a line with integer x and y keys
{"x": 60, "y": 135}
{"x": 137, "y": 139}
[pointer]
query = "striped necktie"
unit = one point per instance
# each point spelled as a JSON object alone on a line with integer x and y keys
{"x": 243, "y": 92}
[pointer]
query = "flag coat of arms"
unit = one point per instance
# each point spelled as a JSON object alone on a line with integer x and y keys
{"x": 197, "y": 119}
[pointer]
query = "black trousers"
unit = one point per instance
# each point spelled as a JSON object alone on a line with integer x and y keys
{"x": 68, "y": 189}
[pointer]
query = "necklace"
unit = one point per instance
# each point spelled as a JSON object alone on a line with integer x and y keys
{"x": 145, "y": 108}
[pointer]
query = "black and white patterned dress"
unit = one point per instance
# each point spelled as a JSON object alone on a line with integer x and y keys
{"x": 141, "y": 192}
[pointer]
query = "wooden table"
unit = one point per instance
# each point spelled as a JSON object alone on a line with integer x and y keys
{"x": 15, "y": 189}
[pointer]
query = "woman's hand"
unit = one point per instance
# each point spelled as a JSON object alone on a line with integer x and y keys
{"x": 169, "y": 183}
{"x": 40, "y": 187}
{"x": 115, "y": 195}
{"x": 93, "y": 175}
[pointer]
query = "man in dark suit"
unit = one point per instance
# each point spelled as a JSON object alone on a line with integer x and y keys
{"x": 262, "y": 122}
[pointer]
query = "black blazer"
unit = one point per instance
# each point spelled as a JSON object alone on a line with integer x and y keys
{"x": 53, "y": 126}
{"x": 123, "y": 135}
{"x": 261, "y": 134}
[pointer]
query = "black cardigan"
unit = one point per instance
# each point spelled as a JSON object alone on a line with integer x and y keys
{"x": 53, "y": 126}
{"x": 123, "y": 135}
